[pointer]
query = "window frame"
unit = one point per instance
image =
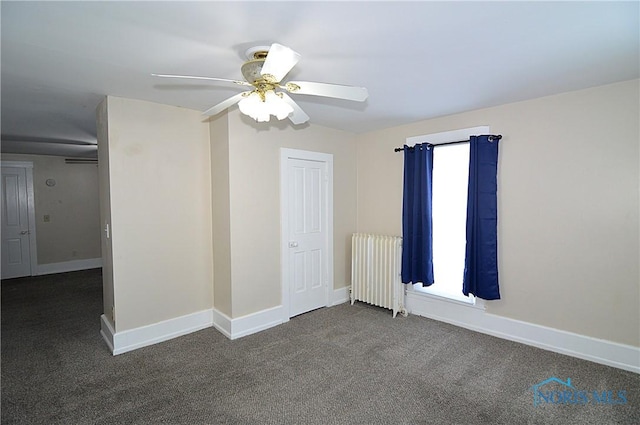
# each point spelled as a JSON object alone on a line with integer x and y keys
{"x": 436, "y": 139}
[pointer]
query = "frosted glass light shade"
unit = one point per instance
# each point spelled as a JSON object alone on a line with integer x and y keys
{"x": 253, "y": 106}
{"x": 261, "y": 111}
{"x": 276, "y": 106}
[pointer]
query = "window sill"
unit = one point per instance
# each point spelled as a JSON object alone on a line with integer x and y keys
{"x": 413, "y": 292}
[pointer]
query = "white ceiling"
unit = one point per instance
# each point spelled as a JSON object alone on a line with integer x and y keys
{"x": 418, "y": 59}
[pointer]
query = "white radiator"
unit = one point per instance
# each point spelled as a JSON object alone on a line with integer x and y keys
{"x": 375, "y": 271}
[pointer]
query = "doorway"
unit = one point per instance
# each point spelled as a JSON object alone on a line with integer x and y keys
{"x": 18, "y": 220}
{"x": 306, "y": 180}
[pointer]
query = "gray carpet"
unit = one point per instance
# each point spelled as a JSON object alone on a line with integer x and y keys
{"x": 340, "y": 365}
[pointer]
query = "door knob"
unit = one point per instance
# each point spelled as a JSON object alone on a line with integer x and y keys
{"x": 24, "y": 232}
{"x": 293, "y": 244}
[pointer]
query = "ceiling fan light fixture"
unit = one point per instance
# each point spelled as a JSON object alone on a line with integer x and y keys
{"x": 260, "y": 106}
{"x": 252, "y": 106}
{"x": 276, "y": 105}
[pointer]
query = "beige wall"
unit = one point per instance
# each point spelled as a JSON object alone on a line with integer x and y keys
{"x": 568, "y": 205}
{"x": 221, "y": 219}
{"x": 254, "y": 178}
{"x": 160, "y": 198}
{"x": 102, "y": 124}
{"x": 187, "y": 195}
{"x": 162, "y": 188}
{"x": 73, "y": 230}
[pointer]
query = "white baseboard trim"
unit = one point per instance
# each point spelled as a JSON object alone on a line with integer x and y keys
{"x": 68, "y": 266}
{"x": 132, "y": 339}
{"x": 341, "y": 296}
{"x": 265, "y": 319}
{"x": 122, "y": 342}
{"x": 107, "y": 331}
{"x": 222, "y": 322}
{"x": 596, "y": 350}
{"x": 249, "y": 324}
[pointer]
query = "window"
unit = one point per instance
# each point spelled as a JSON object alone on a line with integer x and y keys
{"x": 450, "y": 181}
{"x": 449, "y": 210}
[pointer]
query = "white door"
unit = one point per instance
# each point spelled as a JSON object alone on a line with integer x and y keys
{"x": 308, "y": 268}
{"x": 16, "y": 257}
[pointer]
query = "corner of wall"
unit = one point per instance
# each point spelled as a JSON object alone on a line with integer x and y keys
{"x": 102, "y": 122}
{"x": 220, "y": 213}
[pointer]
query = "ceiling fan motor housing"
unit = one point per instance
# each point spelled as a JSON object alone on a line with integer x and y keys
{"x": 251, "y": 70}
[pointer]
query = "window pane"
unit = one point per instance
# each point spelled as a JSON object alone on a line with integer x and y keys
{"x": 450, "y": 180}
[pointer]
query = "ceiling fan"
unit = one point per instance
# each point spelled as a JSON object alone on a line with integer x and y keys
{"x": 263, "y": 72}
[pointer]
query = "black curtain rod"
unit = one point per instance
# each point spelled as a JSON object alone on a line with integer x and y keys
{"x": 491, "y": 139}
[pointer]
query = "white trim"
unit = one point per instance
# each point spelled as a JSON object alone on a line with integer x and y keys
{"x": 584, "y": 347}
{"x": 17, "y": 164}
{"x": 327, "y": 158}
{"x": 329, "y": 241}
{"x": 249, "y": 324}
{"x": 341, "y": 295}
{"x": 69, "y": 266}
{"x": 449, "y": 136}
{"x": 265, "y": 319}
{"x": 132, "y": 339}
{"x": 31, "y": 210}
{"x": 222, "y": 323}
{"x": 107, "y": 331}
{"x": 471, "y": 302}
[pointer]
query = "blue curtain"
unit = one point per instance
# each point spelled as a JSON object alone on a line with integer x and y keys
{"x": 481, "y": 259}
{"x": 417, "y": 240}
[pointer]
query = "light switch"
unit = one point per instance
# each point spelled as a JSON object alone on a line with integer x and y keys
{"x": 46, "y": 218}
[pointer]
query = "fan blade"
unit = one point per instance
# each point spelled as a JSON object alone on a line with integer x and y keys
{"x": 224, "y": 104}
{"x": 358, "y": 94}
{"x": 298, "y": 116}
{"x": 279, "y": 62}
{"x": 192, "y": 77}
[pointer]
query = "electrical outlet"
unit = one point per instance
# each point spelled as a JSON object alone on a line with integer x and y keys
{"x": 46, "y": 218}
